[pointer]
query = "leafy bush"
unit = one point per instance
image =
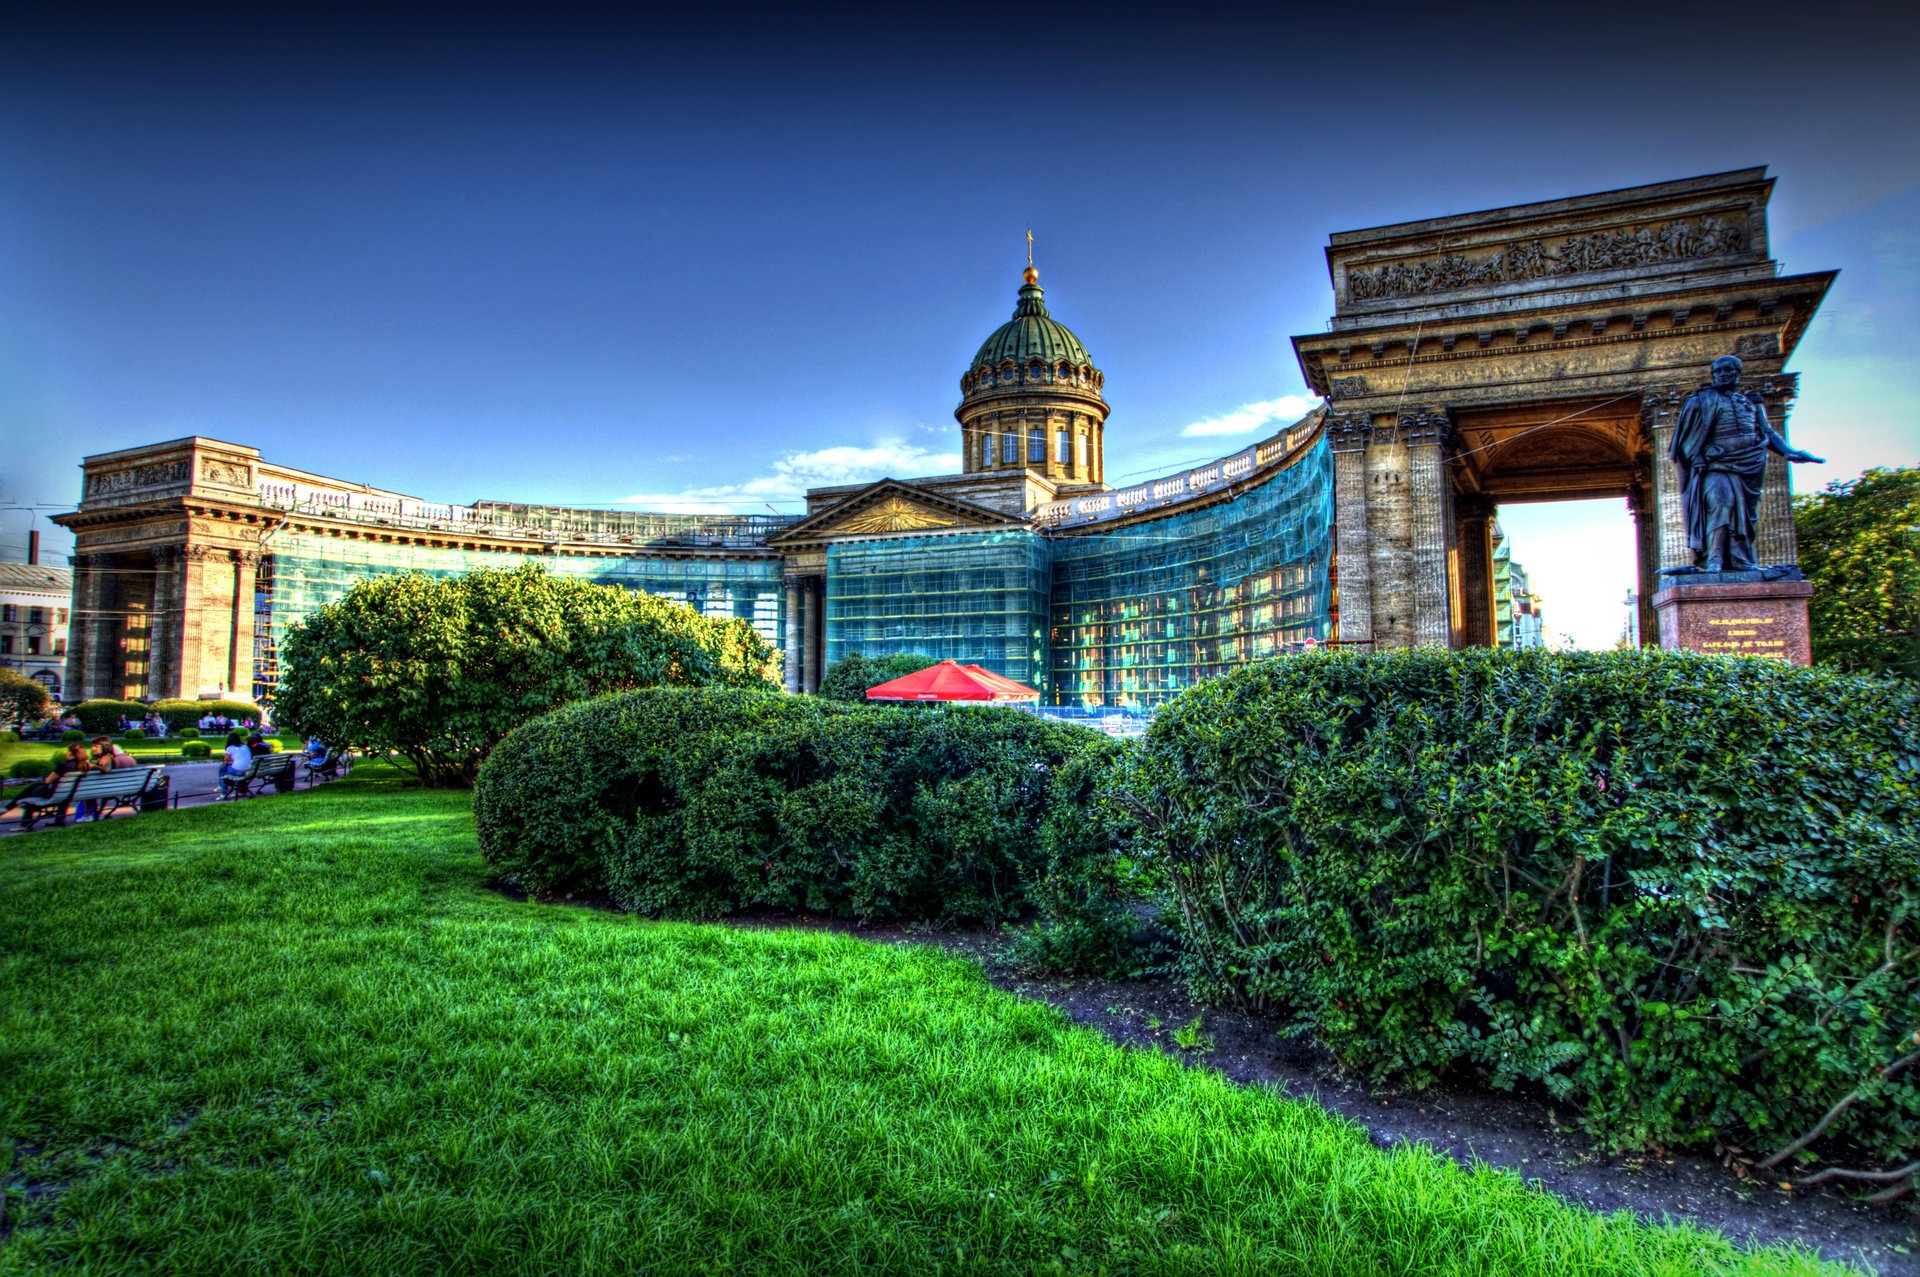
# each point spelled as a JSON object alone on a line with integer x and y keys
{"x": 695, "y": 803}
{"x": 73, "y": 734}
{"x": 9, "y": 737}
{"x": 1680, "y": 892}
{"x": 34, "y": 767}
{"x": 22, "y": 699}
{"x": 196, "y": 749}
{"x": 133, "y": 733}
{"x": 183, "y": 714}
{"x": 102, "y": 717}
{"x": 435, "y": 672}
{"x": 1860, "y": 545}
{"x": 187, "y": 733}
{"x": 848, "y": 678}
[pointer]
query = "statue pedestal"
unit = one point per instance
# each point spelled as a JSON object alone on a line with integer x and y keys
{"x": 1736, "y": 614}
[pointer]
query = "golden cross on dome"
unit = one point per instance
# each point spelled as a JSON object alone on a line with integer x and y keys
{"x": 1029, "y": 247}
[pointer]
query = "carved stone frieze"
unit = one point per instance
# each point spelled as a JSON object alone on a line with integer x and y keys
{"x": 232, "y": 474}
{"x": 113, "y": 483}
{"x": 1679, "y": 240}
{"x": 1348, "y": 431}
{"x": 1349, "y": 387}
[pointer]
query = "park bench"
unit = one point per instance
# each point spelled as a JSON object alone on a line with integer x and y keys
{"x": 274, "y": 769}
{"x": 122, "y": 787}
{"x": 328, "y": 768}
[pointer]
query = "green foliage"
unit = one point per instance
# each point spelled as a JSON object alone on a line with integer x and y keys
{"x": 34, "y": 767}
{"x": 133, "y": 733}
{"x": 196, "y": 749}
{"x": 181, "y": 714}
{"x": 1679, "y": 892}
{"x": 848, "y": 678}
{"x": 1860, "y": 546}
{"x": 9, "y": 737}
{"x": 188, "y": 733}
{"x": 102, "y": 717}
{"x": 73, "y": 734}
{"x": 697, "y": 803}
{"x": 436, "y": 671}
{"x": 1192, "y": 1036}
{"x": 22, "y": 700}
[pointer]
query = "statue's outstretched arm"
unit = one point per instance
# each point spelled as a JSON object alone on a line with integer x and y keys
{"x": 1779, "y": 445}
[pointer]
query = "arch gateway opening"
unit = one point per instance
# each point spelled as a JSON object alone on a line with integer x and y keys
{"x": 1539, "y": 353}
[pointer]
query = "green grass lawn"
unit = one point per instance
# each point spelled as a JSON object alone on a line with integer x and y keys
{"x": 301, "y": 1034}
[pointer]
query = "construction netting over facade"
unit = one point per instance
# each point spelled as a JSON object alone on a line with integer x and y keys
{"x": 1142, "y": 612}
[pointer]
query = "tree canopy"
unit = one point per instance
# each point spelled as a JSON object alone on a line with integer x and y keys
{"x": 849, "y": 677}
{"x": 1860, "y": 546}
{"x": 436, "y": 671}
{"x": 22, "y": 699}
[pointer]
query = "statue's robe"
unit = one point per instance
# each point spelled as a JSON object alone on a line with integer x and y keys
{"x": 1719, "y": 450}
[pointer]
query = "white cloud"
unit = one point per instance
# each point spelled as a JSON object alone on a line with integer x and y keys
{"x": 1269, "y": 415}
{"x": 794, "y": 473}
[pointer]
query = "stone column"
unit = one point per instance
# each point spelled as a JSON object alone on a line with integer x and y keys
{"x": 1347, "y": 435}
{"x": 103, "y": 664}
{"x": 790, "y": 670}
{"x": 204, "y": 577}
{"x": 163, "y": 633}
{"x": 809, "y": 628}
{"x": 1659, "y": 411}
{"x": 1774, "y": 540}
{"x": 1646, "y": 544}
{"x": 1429, "y": 494}
{"x": 79, "y": 651}
{"x": 246, "y": 566}
{"x": 1473, "y": 533}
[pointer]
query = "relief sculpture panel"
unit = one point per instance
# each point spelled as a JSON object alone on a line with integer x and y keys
{"x": 1677, "y": 240}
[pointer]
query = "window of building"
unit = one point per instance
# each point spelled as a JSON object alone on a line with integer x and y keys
{"x": 59, "y": 616}
{"x": 6, "y": 611}
{"x": 59, "y": 647}
{"x": 36, "y": 616}
{"x": 1060, "y": 438}
{"x": 1081, "y": 450}
{"x": 6, "y": 644}
{"x": 33, "y": 645}
{"x": 1010, "y": 450}
{"x": 1037, "y": 446}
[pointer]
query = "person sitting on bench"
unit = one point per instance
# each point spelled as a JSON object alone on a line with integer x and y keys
{"x": 239, "y": 759}
{"x": 77, "y": 759}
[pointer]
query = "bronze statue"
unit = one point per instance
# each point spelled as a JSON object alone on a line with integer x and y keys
{"x": 1720, "y": 449}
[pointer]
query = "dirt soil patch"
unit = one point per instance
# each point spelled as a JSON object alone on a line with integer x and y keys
{"x": 1527, "y": 1133}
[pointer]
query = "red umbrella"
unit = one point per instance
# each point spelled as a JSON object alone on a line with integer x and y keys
{"x": 952, "y": 681}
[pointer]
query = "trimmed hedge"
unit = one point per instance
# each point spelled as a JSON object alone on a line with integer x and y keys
{"x": 195, "y": 749}
{"x": 181, "y": 714}
{"x": 29, "y": 767}
{"x": 187, "y": 733}
{"x": 102, "y": 717}
{"x": 1679, "y": 892}
{"x": 133, "y": 733}
{"x": 72, "y": 734}
{"x": 696, "y": 802}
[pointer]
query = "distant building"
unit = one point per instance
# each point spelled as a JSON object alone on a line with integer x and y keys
{"x": 1630, "y": 628}
{"x": 1517, "y": 620}
{"x": 34, "y": 615}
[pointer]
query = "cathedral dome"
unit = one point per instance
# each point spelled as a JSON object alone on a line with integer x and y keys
{"x": 1032, "y": 334}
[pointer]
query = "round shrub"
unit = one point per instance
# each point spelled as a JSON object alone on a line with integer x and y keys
{"x": 196, "y": 749}
{"x": 101, "y": 717}
{"x": 10, "y": 737}
{"x": 1679, "y": 892}
{"x": 73, "y": 734}
{"x": 694, "y": 802}
{"x": 133, "y": 733}
{"x": 34, "y": 767}
{"x": 188, "y": 733}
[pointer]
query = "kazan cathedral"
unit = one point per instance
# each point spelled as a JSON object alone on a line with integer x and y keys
{"x": 1025, "y": 563}
{"x": 1531, "y": 353}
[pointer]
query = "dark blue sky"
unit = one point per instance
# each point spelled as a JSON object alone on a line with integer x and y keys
{"x": 588, "y": 256}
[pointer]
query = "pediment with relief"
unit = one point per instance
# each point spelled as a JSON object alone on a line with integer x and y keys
{"x": 892, "y": 506}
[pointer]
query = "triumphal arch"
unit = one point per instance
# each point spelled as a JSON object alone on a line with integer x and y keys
{"x": 1538, "y": 353}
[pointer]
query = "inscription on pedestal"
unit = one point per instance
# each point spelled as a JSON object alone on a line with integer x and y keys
{"x": 1759, "y": 618}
